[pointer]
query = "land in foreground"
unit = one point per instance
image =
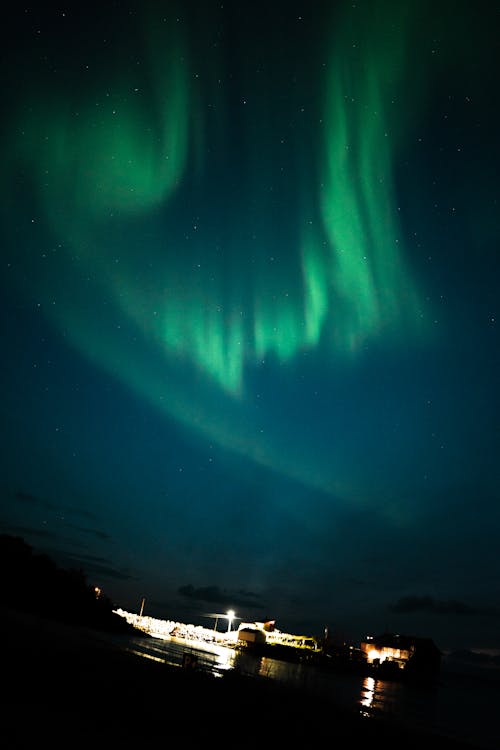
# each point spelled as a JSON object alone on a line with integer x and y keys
{"x": 70, "y": 687}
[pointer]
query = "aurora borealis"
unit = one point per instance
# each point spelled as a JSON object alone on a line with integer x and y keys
{"x": 249, "y": 259}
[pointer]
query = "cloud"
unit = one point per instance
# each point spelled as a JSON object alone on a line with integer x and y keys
{"x": 28, "y": 498}
{"x": 97, "y": 566}
{"x": 23, "y": 531}
{"x": 429, "y": 605}
{"x": 93, "y": 532}
{"x": 223, "y": 597}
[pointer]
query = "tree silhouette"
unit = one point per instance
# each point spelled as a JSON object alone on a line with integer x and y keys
{"x": 31, "y": 582}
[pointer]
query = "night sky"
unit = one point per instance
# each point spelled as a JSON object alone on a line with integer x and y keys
{"x": 250, "y": 309}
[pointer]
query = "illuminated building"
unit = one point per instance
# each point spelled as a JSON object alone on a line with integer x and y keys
{"x": 418, "y": 656}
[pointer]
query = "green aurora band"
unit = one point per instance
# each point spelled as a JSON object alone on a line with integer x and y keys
{"x": 110, "y": 164}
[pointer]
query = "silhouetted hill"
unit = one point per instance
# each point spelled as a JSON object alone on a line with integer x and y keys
{"x": 31, "y": 582}
{"x": 475, "y": 657}
{"x": 477, "y": 664}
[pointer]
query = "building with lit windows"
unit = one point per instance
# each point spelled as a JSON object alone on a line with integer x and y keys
{"x": 391, "y": 652}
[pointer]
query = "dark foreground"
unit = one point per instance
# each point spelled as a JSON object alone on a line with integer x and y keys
{"x": 65, "y": 686}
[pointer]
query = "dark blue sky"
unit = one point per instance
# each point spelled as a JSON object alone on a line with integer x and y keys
{"x": 250, "y": 309}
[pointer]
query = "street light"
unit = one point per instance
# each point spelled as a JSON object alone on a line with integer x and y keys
{"x": 230, "y": 617}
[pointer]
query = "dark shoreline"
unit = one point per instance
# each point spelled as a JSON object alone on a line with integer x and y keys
{"x": 69, "y": 686}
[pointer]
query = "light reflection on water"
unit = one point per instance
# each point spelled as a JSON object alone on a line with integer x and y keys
{"x": 367, "y": 695}
{"x": 465, "y": 711}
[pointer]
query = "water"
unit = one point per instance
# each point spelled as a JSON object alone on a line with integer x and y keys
{"x": 458, "y": 706}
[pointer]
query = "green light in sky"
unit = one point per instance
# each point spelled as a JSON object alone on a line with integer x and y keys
{"x": 108, "y": 163}
{"x": 195, "y": 329}
{"x": 316, "y": 282}
{"x": 116, "y": 151}
{"x": 371, "y": 292}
